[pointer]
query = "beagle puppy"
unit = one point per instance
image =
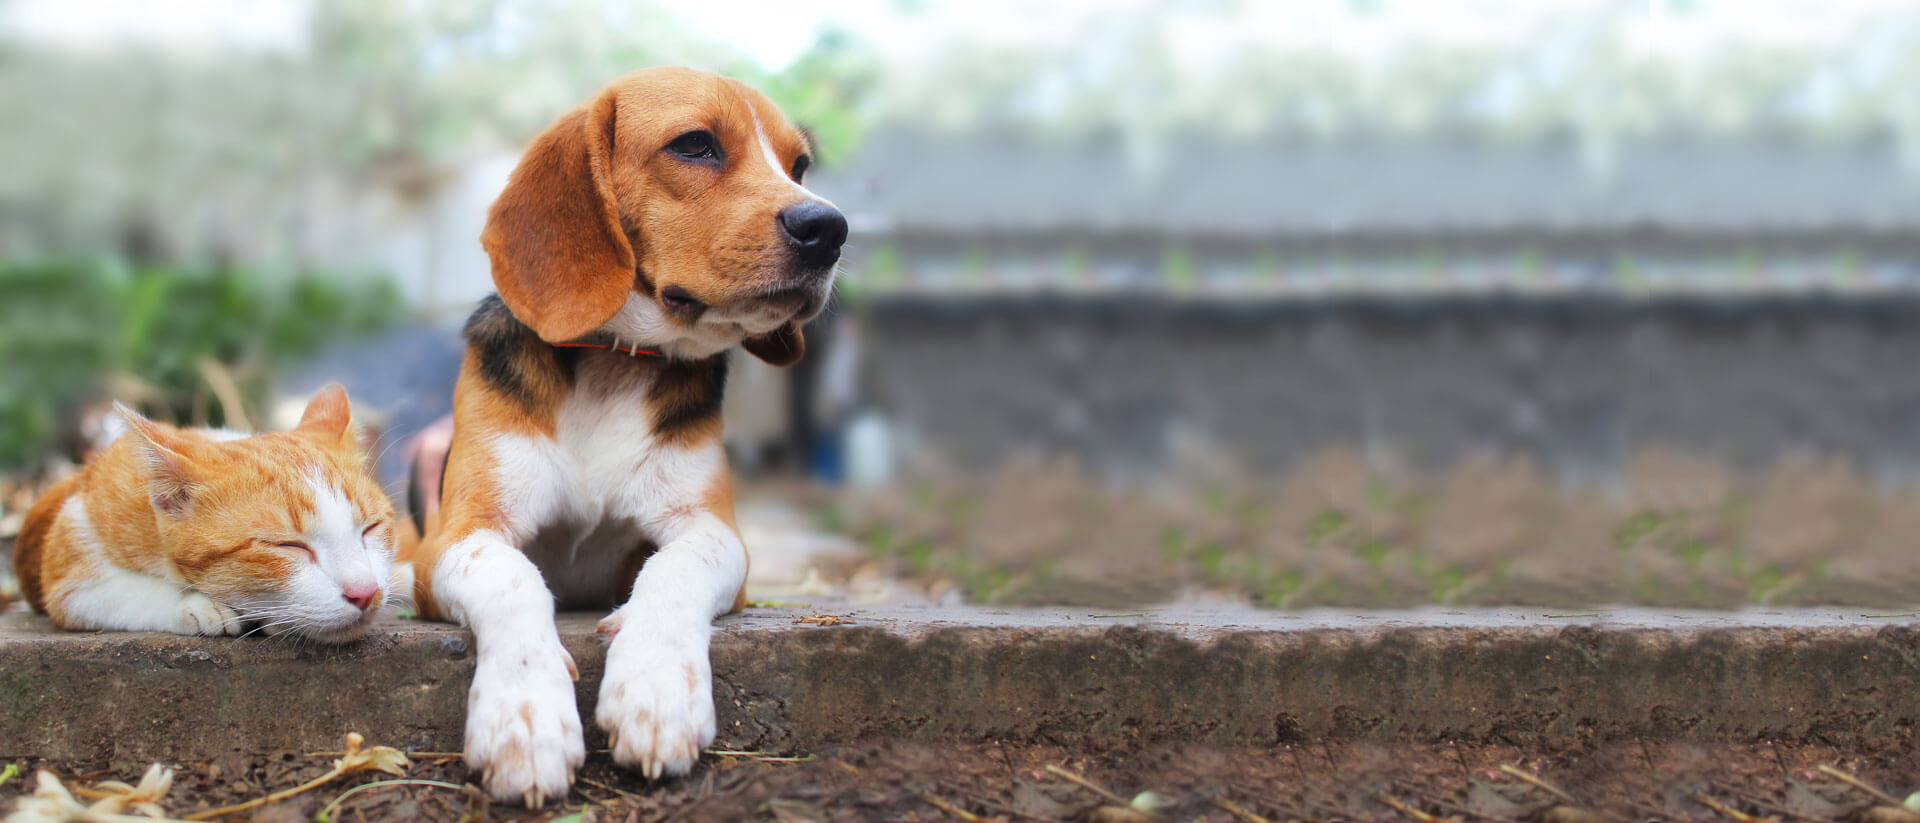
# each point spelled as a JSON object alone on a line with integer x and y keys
{"x": 641, "y": 236}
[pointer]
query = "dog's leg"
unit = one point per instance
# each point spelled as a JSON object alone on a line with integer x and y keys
{"x": 523, "y": 729}
{"x": 656, "y": 702}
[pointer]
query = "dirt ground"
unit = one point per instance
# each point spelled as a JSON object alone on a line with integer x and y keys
{"x": 1343, "y": 529}
{"x": 1631, "y": 780}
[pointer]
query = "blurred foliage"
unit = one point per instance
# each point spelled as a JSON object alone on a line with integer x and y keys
{"x": 826, "y": 92}
{"x": 259, "y": 153}
{"x": 1596, "y": 72}
{"x": 71, "y": 330}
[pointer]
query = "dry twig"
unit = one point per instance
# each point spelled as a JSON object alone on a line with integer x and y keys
{"x": 956, "y": 811}
{"x": 1859, "y": 784}
{"x": 604, "y": 787}
{"x": 1394, "y": 803}
{"x": 1536, "y": 780}
{"x": 1234, "y": 809}
{"x": 227, "y": 391}
{"x": 1707, "y": 800}
{"x": 326, "y": 812}
{"x": 1088, "y": 784}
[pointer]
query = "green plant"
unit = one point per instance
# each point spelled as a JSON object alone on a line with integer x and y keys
{"x": 160, "y": 337}
{"x": 1178, "y": 268}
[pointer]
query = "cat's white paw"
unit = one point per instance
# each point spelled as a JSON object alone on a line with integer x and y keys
{"x": 656, "y": 702}
{"x": 202, "y": 615}
{"x": 523, "y": 731}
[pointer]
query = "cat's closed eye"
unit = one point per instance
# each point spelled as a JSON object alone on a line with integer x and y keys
{"x": 295, "y": 545}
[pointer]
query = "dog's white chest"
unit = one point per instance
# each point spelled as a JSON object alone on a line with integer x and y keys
{"x": 584, "y": 499}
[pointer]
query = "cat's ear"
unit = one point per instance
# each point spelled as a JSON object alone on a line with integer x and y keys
{"x": 171, "y": 472}
{"x": 329, "y": 415}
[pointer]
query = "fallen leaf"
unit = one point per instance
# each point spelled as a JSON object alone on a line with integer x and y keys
{"x": 1571, "y": 814}
{"x": 1149, "y": 802}
{"x": 116, "y": 797}
{"x": 1118, "y": 814}
{"x": 52, "y": 803}
{"x": 377, "y": 758}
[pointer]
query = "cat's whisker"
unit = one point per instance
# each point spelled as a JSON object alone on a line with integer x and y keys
{"x": 277, "y": 614}
{"x": 271, "y": 615}
{"x": 383, "y": 451}
{"x": 273, "y": 624}
{"x": 398, "y": 597}
{"x": 266, "y": 627}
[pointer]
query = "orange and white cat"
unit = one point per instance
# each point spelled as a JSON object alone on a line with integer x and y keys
{"x": 200, "y": 531}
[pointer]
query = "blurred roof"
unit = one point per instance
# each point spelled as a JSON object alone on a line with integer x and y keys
{"x": 902, "y": 180}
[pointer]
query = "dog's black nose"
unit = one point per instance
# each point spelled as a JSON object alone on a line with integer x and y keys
{"x": 815, "y": 230}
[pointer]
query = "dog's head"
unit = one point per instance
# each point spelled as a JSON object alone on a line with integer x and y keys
{"x": 668, "y": 211}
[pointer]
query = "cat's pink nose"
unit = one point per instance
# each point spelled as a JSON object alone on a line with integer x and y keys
{"x": 361, "y": 598}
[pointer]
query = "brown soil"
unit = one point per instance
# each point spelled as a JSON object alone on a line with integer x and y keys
{"x": 1348, "y": 530}
{"x": 900, "y": 781}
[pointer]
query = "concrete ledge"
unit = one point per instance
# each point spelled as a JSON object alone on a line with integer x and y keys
{"x": 1063, "y": 677}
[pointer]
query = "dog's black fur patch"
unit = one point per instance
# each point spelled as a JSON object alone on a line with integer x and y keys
{"x": 688, "y": 393}
{"x": 416, "y": 504}
{"x": 517, "y": 364}
{"x": 502, "y": 342}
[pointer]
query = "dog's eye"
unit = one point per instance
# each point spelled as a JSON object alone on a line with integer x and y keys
{"x": 695, "y": 145}
{"x": 800, "y": 166}
{"x": 679, "y": 299}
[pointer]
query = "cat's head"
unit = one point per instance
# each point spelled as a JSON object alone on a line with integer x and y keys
{"x": 289, "y": 529}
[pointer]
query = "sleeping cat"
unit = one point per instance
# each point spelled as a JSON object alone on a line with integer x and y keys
{"x": 199, "y": 531}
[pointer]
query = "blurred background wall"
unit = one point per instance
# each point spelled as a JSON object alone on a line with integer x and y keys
{"x": 1144, "y": 236}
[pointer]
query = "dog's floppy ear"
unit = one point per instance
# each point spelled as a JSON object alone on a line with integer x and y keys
{"x": 783, "y": 346}
{"x": 560, "y": 257}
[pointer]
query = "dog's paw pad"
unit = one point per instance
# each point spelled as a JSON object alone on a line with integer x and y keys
{"x": 523, "y": 732}
{"x": 656, "y": 706}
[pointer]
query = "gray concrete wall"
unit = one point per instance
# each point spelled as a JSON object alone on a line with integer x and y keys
{"x": 1236, "y": 677}
{"x": 1577, "y": 381}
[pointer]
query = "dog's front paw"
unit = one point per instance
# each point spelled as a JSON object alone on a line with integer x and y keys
{"x": 203, "y": 615}
{"x": 523, "y": 731}
{"x": 656, "y": 703}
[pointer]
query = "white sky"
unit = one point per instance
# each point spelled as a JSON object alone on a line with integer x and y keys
{"x": 775, "y": 32}
{"x": 182, "y": 24}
